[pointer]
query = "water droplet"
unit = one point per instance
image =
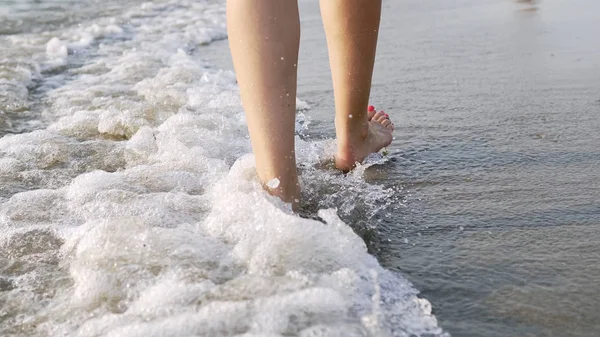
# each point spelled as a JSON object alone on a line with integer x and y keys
{"x": 273, "y": 183}
{"x": 349, "y": 116}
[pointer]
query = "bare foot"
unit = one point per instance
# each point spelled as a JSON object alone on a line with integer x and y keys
{"x": 378, "y": 136}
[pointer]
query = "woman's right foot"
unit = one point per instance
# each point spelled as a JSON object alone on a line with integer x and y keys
{"x": 379, "y": 135}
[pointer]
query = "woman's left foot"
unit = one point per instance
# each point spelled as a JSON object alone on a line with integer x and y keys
{"x": 379, "y": 135}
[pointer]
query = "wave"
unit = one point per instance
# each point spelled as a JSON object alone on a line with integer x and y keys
{"x": 136, "y": 210}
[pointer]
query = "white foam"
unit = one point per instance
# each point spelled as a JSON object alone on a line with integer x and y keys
{"x": 56, "y": 49}
{"x": 17, "y": 75}
{"x": 144, "y": 177}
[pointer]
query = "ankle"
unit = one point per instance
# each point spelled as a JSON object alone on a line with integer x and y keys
{"x": 347, "y": 159}
{"x": 288, "y": 190}
{"x": 352, "y": 144}
{"x": 349, "y": 153}
{"x": 349, "y": 136}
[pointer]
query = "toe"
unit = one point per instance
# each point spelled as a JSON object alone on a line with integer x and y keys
{"x": 370, "y": 114}
{"x": 378, "y": 115}
{"x": 371, "y": 111}
{"x": 383, "y": 118}
{"x": 386, "y": 122}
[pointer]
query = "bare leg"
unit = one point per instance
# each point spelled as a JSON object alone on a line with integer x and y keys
{"x": 352, "y": 28}
{"x": 264, "y": 37}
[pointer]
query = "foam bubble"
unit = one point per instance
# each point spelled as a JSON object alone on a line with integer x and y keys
{"x": 56, "y": 49}
{"x": 156, "y": 222}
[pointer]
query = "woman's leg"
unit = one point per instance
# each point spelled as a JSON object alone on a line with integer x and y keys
{"x": 352, "y": 28}
{"x": 264, "y": 37}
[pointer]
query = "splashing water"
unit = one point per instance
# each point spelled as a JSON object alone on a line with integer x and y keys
{"x": 134, "y": 209}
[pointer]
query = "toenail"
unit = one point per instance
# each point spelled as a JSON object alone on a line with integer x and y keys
{"x": 371, "y": 108}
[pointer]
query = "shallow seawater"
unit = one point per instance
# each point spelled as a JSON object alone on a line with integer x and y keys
{"x": 129, "y": 204}
{"x": 497, "y": 154}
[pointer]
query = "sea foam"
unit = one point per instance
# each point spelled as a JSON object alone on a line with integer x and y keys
{"x": 137, "y": 211}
